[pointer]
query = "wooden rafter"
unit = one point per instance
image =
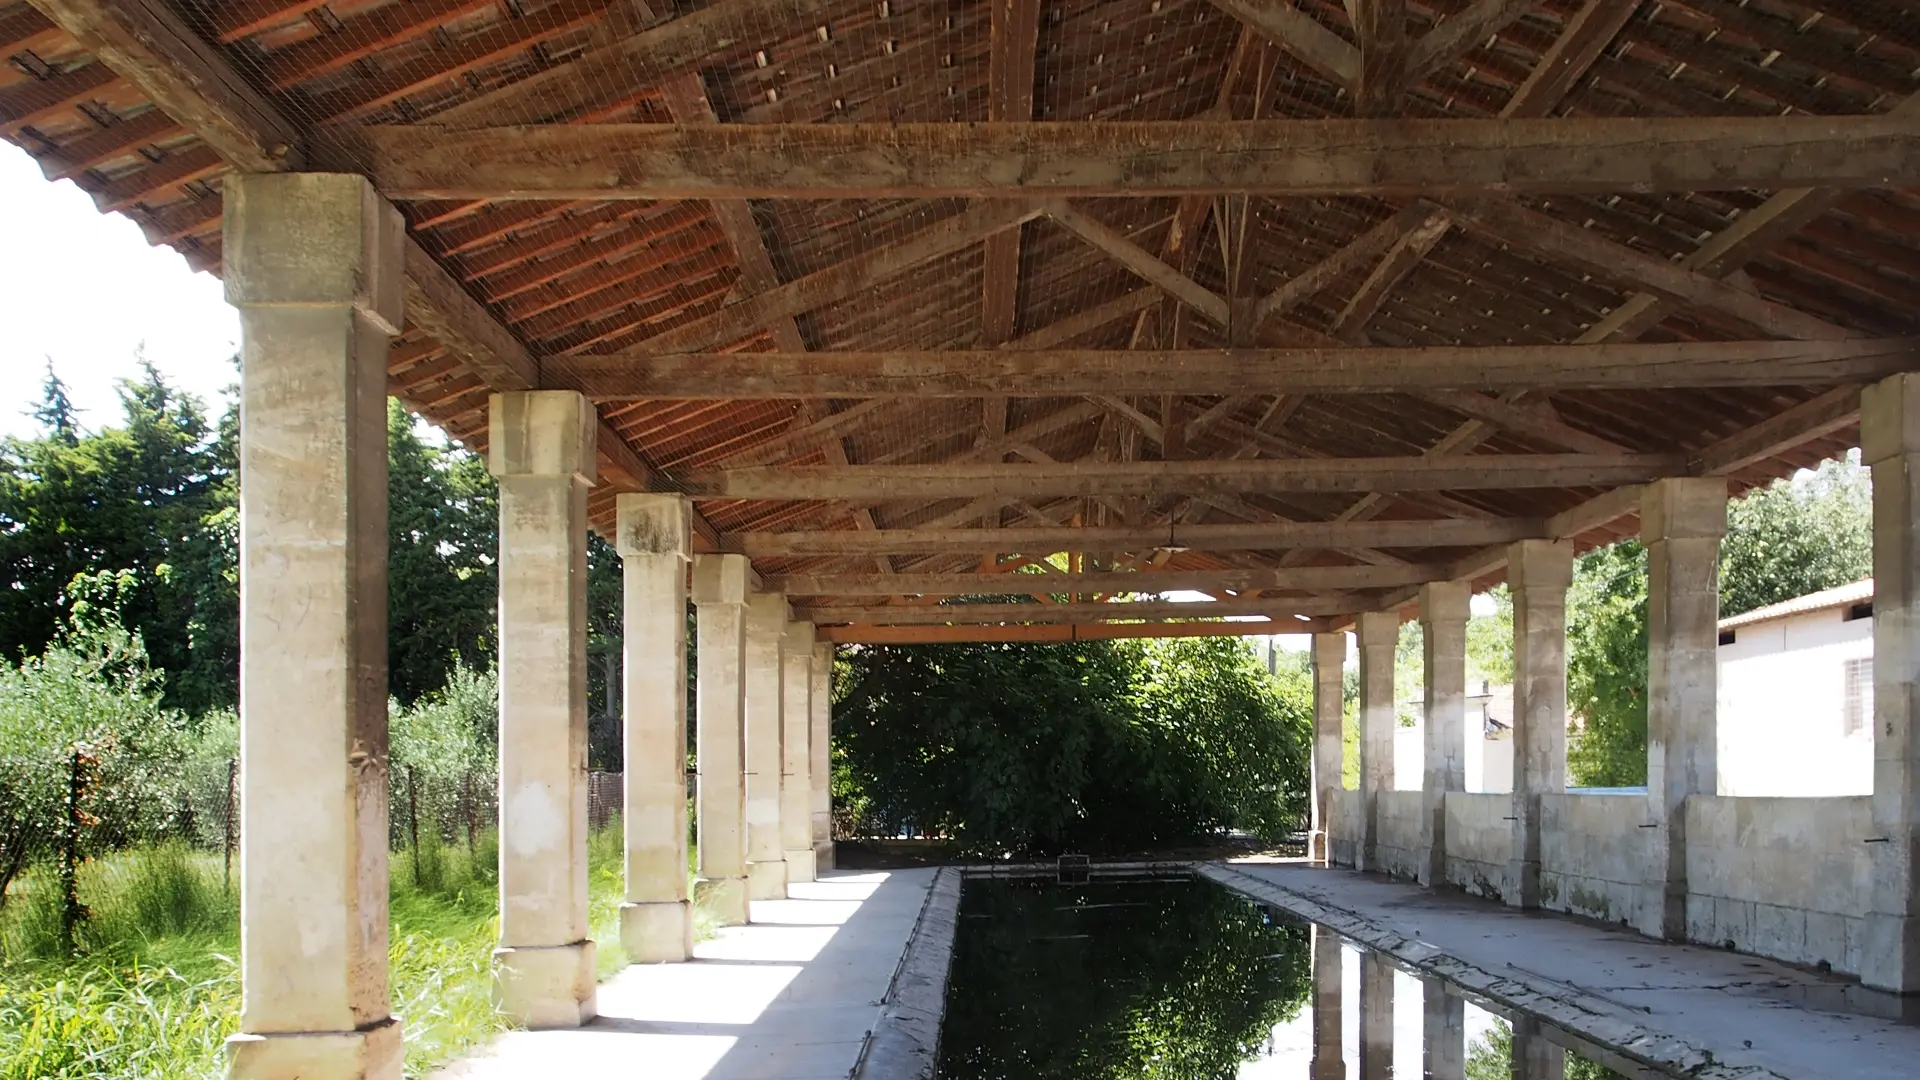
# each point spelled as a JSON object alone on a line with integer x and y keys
{"x": 945, "y": 538}
{"x": 1400, "y": 260}
{"x": 1044, "y": 613}
{"x": 1138, "y": 581}
{"x": 935, "y": 635}
{"x": 1014, "y": 34}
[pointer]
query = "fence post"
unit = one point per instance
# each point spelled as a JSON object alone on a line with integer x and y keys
{"x": 413, "y": 819}
{"x": 230, "y": 823}
{"x": 71, "y": 910}
{"x": 466, "y": 805}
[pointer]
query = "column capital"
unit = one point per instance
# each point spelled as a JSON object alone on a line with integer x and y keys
{"x": 799, "y": 639}
{"x": 823, "y": 652}
{"x": 719, "y": 579}
{"x": 541, "y": 433}
{"x": 1890, "y": 418}
{"x": 1683, "y": 507}
{"x": 1330, "y": 650}
{"x": 1377, "y": 629}
{"x": 1445, "y": 602}
{"x": 1540, "y": 564}
{"x": 767, "y": 615}
{"x": 311, "y": 240}
{"x": 653, "y": 523}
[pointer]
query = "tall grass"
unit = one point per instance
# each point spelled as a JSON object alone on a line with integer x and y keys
{"x": 153, "y": 989}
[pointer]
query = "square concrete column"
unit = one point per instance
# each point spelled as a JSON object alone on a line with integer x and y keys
{"x": 1376, "y": 1016}
{"x": 1443, "y": 623}
{"x": 1534, "y": 1058}
{"x": 1379, "y": 634}
{"x": 766, "y": 860}
{"x": 541, "y": 449}
{"x": 1890, "y": 444}
{"x": 819, "y": 748}
{"x": 1329, "y": 740}
{"x": 313, "y": 264}
{"x": 1329, "y": 1053}
{"x": 654, "y": 534}
{"x": 1681, "y": 522}
{"x": 1444, "y": 1032}
{"x": 796, "y": 759}
{"x": 1538, "y": 572}
{"x": 720, "y": 733}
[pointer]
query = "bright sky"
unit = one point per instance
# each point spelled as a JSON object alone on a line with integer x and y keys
{"x": 85, "y": 289}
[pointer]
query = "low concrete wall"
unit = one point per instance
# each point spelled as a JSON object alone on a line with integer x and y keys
{"x": 1400, "y": 850}
{"x": 1782, "y": 877}
{"x": 1479, "y": 842}
{"x": 1593, "y": 855}
{"x": 1345, "y": 829}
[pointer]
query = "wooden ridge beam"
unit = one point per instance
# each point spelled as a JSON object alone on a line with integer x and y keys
{"x": 1380, "y": 26}
{"x": 1072, "y": 373}
{"x": 1046, "y": 540}
{"x": 1135, "y": 159}
{"x": 1316, "y": 578}
{"x": 1045, "y": 613}
{"x": 954, "y": 635}
{"x": 868, "y": 484}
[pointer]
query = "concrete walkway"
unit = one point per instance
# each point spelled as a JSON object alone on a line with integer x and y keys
{"x": 1743, "y": 1011}
{"x": 790, "y": 996}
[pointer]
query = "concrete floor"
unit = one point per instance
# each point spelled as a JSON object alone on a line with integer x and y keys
{"x": 791, "y": 996}
{"x": 1745, "y": 1012}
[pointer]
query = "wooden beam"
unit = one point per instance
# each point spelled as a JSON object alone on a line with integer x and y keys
{"x": 1304, "y": 39}
{"x": 1815, "y": 418}
{"x": 1380, "y": 26}
{"x": 1367, "y": 247}
{"x": 1046, "y": 540}
{"x": 1141, "y": 262}
{"x": 1400, "y": 260}
{"x": 951, "y": 635}
{"x": 1317, "y": 578}
{"x": 1515, "y": 225}
{"x": 1459, "y": 33}
{"x": 1561, "y": 67}
{"x": 1096, "y": 158}
{"x": 1056, "y": 334}
{"x": 808, "y": 435}
{"x": 1172, "y": 479}
{"x": 1013, "y": 35}
{"x": 1533, "y": 421}
{"x": 1045, "y": 613}
{"x": 1068, "y": 372}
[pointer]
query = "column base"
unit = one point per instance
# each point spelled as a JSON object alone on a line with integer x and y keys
{"x": 1317, "y": 847}
{"x": 823, "y": 857}
{"x": 549, "y": 986}
{"x": 767, "y": 880}
{"x": 799, "y": 865}
{"x": 657, "y": 933}
{"x": 1521, "y": 889}
{"x": 1890, "y": 955}
{"x": 725, "y": 897}
{"x": 369, "y": 1053}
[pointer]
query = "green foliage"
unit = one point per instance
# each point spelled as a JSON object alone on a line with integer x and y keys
{"x": 1164, "y": 981}
{"x": 1490, "y": 641}
{"x": 1796, "y": 537}
{"x": 1491, "y": 1058}
{"x": 1409, "y": 673}
{"x": 1092, "y": 745}
{"x": 1607, "y": 666}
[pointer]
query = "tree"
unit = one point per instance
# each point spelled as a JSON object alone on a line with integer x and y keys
{"x": 1491, "y": 1058}
{"x": 1800, "y": 536}
{"x": 55, "y": 411}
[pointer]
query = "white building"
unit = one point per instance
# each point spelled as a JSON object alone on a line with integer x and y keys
{"x": 1796, "y": 696}
{"x": 1490, "y": 713}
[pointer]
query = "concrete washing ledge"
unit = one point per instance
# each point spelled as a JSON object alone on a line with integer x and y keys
{"x": 1685, "y": 1009}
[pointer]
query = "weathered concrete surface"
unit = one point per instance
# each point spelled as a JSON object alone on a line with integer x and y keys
{"x": 720, "y": 621}
{"x": 766, "y": 859}
{"x": 654, "y": 535}
{"x": 906, "y": 1039}
{"x": 1712, "y": 1014}
{"x": 1329, "y": 745}
{"x": 1379, "y": 634}
{"x": 1539, "y": 572}
{"x": 1399, "y": 848}
{"x": 790, "y": 996}
{"x": 313, "y": 263}
{"x": 1595, "y": 856}
{"x": 541, "y": 451}
{"x": 1890, "y": 445}
{"x": 1443, "y": 625}
{"x": 1479, "y": 842}
{"x": 820, "y": 771}
{"x": 796, "y": 758}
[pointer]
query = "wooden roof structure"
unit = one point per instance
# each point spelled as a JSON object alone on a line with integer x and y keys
{"x": 1298, "y": 303}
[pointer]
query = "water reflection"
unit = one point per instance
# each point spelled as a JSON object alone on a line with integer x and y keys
{"x": 1184, "y": 980}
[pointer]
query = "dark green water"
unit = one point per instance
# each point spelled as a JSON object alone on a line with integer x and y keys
{"x": 1177, "y": 980}
{"x": 1098, "y": 981}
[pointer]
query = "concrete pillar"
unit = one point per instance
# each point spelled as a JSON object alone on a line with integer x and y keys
{"x": 1329, "y": 1054}
{"x": 313, "y": 264}
{"x": 766, "y": 859}
{"x": 1376, "y": 1017}
{"x": 1534, "y": 1058}
{"x": 541, "y": 449}
{"x": 1443, "y": 623}
{"x": 1379, "y": 634}
{"x": 720, "y": 814}
{"x": 796, "y": 760}
{"x": 1538, "y": 572}
{"x": 1681, "y": 522}
{"x": 654, "y": 534}
{"x": 1329, "y": 738}
{"x": 820, "y": 772}
{"x": 1444, "y": 1032}
{"x": 1890, "y": 444}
